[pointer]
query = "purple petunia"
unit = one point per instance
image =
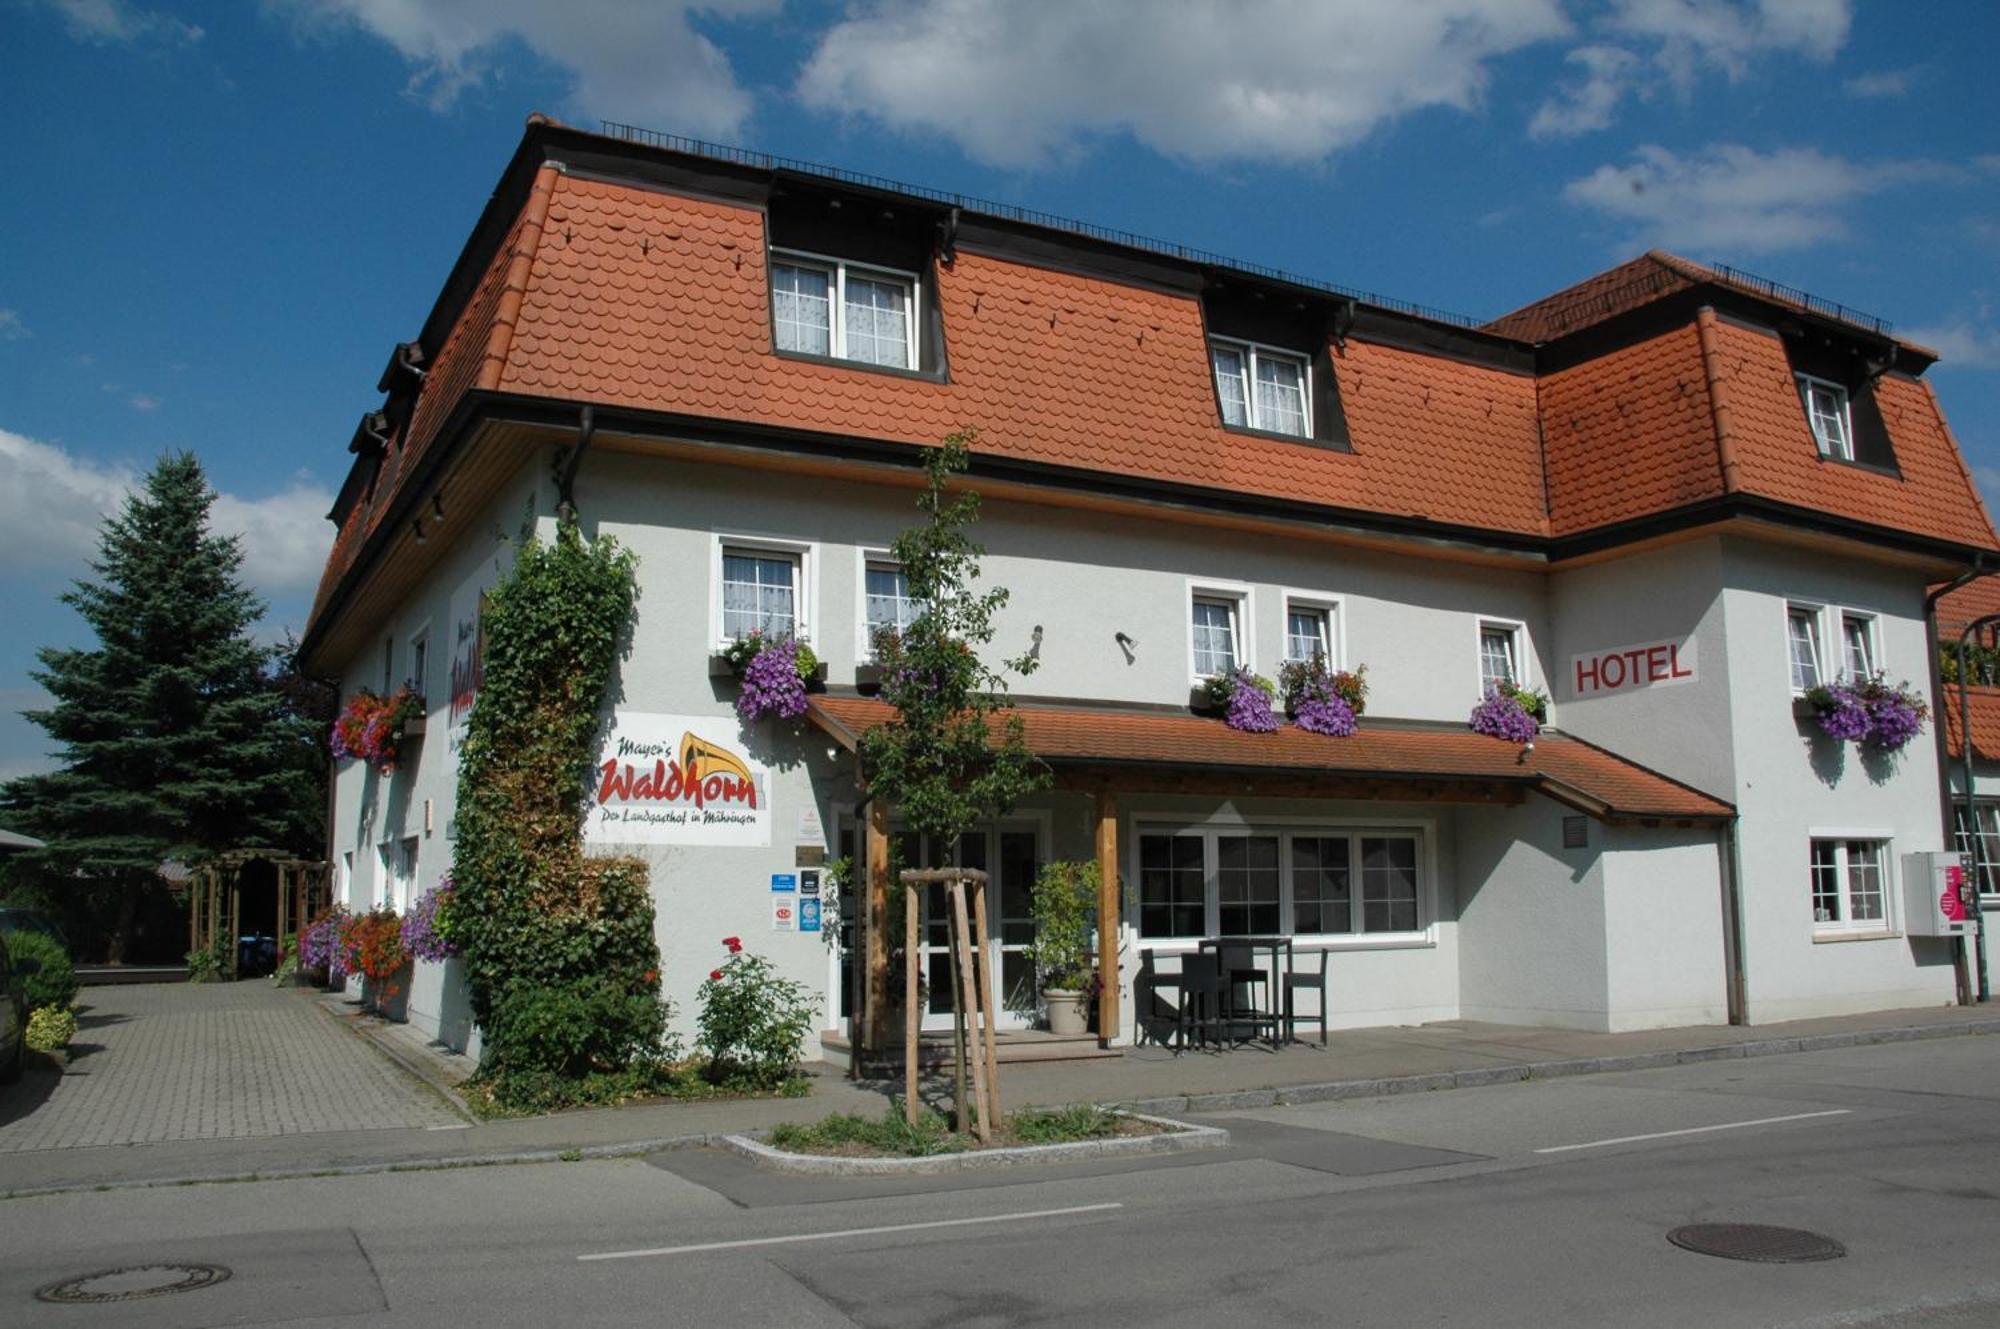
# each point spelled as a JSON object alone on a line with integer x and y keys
{"x": 1249, "y": 705}
{"x": 1500, "y": 716}
{"x": 1870, "y": 712}
{"x": 1331, "y": 716}
{"x": 426, "y": 926}
{"x": 1892, "y": 722}
{"x": 1847, "y": 718}
{"x": 771, "y": 684}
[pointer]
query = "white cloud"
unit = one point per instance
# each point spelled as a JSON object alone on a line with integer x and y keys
{"x": 638, "y": 62}
{"x": 144, "y": 402}
{"x": 1591, "y": 102}
{"x": 53, "y": 502}
{"x": 11, "y": 326}
{"x": 1676, "y": 42}
{"x": 1882, "y": 83}
{"x": 1015, "y": 84}
{"x": 1961, "y": 344}
{"x": 123, "y": 23}
{"x": 1728, "y": 197}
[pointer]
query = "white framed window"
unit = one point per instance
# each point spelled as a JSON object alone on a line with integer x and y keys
{"x": 1857, "y": 645}
{"x": 1363, "y": 884}
{"x": 1312, "y": 625}
{"x": 1828, "y": 411}
{"x": 1802, "y": 634}
{"x": 1217, "y": 633}
{"x": 762, "y": 585}
{"x": 346, "y": 895}
{"x": 827, "y": 306}
{"x": 1986, "y": 812}
{"x": 1500, "y": 655}
{"x": 1262, "y": 387}
{"x": 885, "y": 601}
{"x": 420, "y": 660}
{"x": 1850, "y": 884}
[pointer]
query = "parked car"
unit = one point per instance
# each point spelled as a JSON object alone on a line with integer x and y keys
{"x": 14, "y": 919}
{"x": 13, "y": 1021}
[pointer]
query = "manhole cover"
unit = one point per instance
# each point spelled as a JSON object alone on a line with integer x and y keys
{"x": 1756, "y": 1241}
{"x": 130, "y": 1284}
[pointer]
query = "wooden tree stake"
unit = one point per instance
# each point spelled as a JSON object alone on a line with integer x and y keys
{"x": 962, "y": 947}
{"x": 912, "y": 1016}
{"x": 986, "y": 1012}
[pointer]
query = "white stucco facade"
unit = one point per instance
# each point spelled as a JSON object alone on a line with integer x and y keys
{"x": 1514, "y": 921}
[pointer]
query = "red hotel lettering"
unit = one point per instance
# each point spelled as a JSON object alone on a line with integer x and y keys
{"x": 665, "y": 783}
{"x": 1640, "y": 665}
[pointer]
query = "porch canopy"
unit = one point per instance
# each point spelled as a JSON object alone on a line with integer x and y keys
{"x": 1109, "y": 751}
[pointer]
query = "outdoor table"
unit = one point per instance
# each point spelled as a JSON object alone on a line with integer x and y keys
{"x": 1236, "y": 975}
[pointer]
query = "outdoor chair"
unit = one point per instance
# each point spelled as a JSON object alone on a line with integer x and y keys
{"x": 1204, "y": 997}
{"x": 1297, "y": 982}
{"x": 1157, "y": 1019}
{"x": 1243, "y": 971}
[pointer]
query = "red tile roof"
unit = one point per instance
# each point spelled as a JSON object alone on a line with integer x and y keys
{"x": 1984, "y": 706}
{"x": 642, "y": 298}
{"x": 645, "y": 299}
{"x": 1566, "y": 768}
{"x": 1974, "y": 600}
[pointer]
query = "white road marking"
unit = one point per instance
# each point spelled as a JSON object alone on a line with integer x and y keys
{"x": 850, "y": 1232}
{"x": 1694, "y": 1130}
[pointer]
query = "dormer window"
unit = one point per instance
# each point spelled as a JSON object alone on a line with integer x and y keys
{"x": 829, "y": 307}
{"x": 1260, "y": 387}
{"x": 1827, "y": 410}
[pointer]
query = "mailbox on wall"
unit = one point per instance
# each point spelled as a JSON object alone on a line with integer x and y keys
{"x": 1937, "y": 898}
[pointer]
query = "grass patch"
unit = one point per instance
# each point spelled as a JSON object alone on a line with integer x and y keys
{"x": 890, "y": 1136}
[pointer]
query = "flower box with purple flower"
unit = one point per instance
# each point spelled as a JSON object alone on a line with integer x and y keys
{"x": 1869, "y": 711}
{"x": 1502, "y": 714}
{"x": 1245, "y": 700}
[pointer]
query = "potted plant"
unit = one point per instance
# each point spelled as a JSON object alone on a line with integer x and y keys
{"x": 1245, "y": 700}
{"x": 1321, "y": 701}
{"x": 1064, "y": 903}
{"x": 1869, "y": 711}
{"x": 372, "y": 727}
{"x": 384, "y": 963}
{"x": 1510, "y": 712}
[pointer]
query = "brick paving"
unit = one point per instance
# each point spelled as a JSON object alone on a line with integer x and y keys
{"x": 210, "y": 1061}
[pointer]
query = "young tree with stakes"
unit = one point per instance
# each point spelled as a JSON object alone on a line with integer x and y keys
{"x": 173, "y": 739}
{"x": 950, "y": 757}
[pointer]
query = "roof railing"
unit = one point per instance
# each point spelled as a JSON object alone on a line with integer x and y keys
{"x": 1011, "y": 212}
{"x": 1818, "y": 304}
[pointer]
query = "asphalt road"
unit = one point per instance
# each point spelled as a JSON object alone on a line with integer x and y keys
{"x": 1532, "y": 1204}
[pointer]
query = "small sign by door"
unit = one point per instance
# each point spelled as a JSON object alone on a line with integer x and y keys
{"x": 784, "y": 914}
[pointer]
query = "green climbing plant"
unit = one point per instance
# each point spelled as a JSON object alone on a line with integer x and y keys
{"x": 548, "y": 934}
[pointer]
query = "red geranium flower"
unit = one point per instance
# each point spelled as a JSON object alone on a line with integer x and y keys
{"x": 734, "y": 944}
{"x": 650, "y": 977}
{"x": 715, "y": 975}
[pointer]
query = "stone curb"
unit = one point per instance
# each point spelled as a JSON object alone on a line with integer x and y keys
{"x": 366, "y": 1027}
{"x": 1184, "y": 1137}
{"x": 1241, "y": 1100}
{"x": 1255, "y": 1098}
{"x": 581, "y": 1153}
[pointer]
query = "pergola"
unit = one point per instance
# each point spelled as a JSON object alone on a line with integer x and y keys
{"x": 215, "y": 896}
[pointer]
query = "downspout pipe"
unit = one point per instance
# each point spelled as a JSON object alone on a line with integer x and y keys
{"x": 586, "y": 429}
{"x": 1946, "y": 803}
{"x": 1971, "y": 807}
{"x": 1735, "y": 984}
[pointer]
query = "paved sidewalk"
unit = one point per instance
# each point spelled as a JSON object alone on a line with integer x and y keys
{"x": 155, "y": 1063}
{"x": 1358, "y": 1063}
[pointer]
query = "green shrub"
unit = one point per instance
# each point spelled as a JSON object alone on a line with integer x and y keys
{"x": 753, "y": 1023}
{"x": 51, "y": 1028}
{"x": 210, "y": 965}
{"x": 1084, "y": 1121}
{"x": 574, "y": 1027}
{"x": 1064, "y": 902}
{"x": 890, "y": 1134}
{"x": 53, "y": 982}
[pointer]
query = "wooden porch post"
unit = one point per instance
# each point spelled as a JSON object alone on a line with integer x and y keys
{"x": 1107, "y": 916}
{"x": 875, "y": 921}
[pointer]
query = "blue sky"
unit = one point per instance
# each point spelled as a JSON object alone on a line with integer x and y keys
{"x": 221, "y": 217}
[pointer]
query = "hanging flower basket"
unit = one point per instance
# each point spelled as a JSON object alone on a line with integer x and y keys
{"x": 1244, "y": 698}
{"x": 776, "y": 671}
{"x": 1502, "y": 713}
{"x": 1323, "y": 702}
{"x": 1868, "y": 711}
{"x": 372, "y": 727}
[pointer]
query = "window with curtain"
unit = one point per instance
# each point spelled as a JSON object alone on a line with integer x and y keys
{"x": 1308, "y": 633}
{"x": 1496, "y": 657}
{"x": 1857, "y": 633}
{"x": 1214, "y": 636}
{"x": 843, "y": 311}
{"x": 1827, "y": 411}
{"x": 1260, "y": 387}
{"x": 1803, "y": 625}
{"x": 887, "y": 596}
{"x": 760, "y": 593}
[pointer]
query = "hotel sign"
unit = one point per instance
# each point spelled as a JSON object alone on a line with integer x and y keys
{"x": 1650, "y": 664}
{"x": 676, "y": 780}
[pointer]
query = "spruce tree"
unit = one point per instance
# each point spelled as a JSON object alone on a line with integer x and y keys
{"x": 173, "y": 740}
